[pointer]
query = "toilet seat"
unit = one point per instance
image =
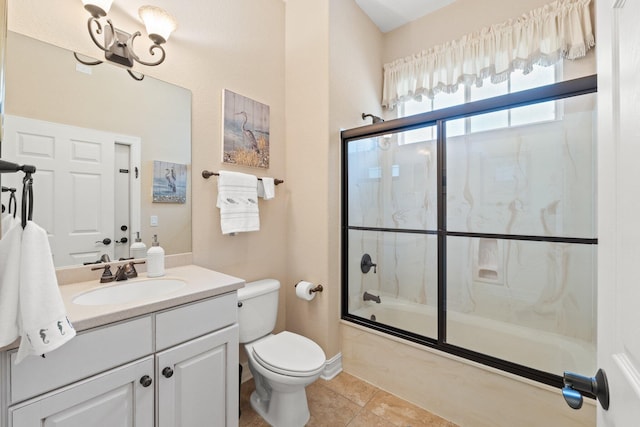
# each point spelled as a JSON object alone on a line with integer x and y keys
{"x": 289, "y": 354}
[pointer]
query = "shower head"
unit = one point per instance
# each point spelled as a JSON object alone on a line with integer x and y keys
{"x": 374, "y": 119}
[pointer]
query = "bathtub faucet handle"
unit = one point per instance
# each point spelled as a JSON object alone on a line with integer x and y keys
{"x": 366, "y": 263}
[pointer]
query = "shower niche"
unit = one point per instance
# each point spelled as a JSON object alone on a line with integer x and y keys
{"x": 488, "y": 261}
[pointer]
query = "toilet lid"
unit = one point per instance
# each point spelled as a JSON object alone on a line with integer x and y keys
{"x": 289, "y": 354}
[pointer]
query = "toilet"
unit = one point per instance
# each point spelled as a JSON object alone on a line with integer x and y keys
{"x": 283, "y": 364}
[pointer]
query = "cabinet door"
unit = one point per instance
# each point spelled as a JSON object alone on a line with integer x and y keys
{"x": 114, "y": 398}
{"x": 198, "y": 381}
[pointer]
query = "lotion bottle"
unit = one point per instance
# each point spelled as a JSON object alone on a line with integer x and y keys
{"x": 155, "y": 259}
{"x": 138, "y": 249}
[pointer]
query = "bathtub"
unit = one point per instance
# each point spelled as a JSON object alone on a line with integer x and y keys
{"x": 545, "y": 351}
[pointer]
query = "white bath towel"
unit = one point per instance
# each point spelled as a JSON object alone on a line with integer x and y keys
{"x": 9, "y": 280}
{"x": 238, "y": 202}
{"x": 266, "y": 188}
{"x": 42, "y": 319}
{"x": 5, "y": 223}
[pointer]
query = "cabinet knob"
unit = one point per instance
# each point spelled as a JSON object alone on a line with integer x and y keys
{"x": 167, "y": 372}
{"x": 146, "y": 381}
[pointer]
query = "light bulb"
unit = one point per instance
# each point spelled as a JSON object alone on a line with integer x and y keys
{"x": 97, "y": 8}
{"x": 160, "y": 24}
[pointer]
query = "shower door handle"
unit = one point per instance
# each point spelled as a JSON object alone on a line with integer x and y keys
{"x": 575, "y": 385}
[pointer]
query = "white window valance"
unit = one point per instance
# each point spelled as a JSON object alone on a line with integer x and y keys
{"x": 543, "y": 36}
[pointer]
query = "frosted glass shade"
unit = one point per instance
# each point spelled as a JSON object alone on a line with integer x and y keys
{"x": 97, "y": 8}
{"x": 160, "y": 24}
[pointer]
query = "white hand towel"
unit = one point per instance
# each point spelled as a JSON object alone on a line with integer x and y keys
{"x": 9, "y": 280}
{"x": 238, "y": 202}
{"x": 266, "y": 188}
{"x": 43, "y": 319}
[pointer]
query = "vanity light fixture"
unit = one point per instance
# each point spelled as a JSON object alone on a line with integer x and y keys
{"x": 118, "y": 44}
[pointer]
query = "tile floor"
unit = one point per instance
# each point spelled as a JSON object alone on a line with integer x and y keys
{"x": 348, "y": 401}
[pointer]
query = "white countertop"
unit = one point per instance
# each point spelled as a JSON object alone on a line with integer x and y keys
{"x": 200, "y": 283}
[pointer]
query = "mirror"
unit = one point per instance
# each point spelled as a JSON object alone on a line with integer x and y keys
{"x": 45, "y": 83}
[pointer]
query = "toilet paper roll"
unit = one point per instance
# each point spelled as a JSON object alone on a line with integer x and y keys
{"x": 303, "y": 291}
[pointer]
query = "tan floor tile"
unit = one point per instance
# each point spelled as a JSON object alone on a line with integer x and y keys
{"x": 249, "y": 417}
{"x": 328, "y": 408}
{"x": 369, "y": 419}
{"x": 403, "y": 413}
{"x": 352, "y": 388}
{"x": 335, "y": 403}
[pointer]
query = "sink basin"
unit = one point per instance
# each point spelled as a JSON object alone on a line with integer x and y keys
{"x": 129, "y": 291}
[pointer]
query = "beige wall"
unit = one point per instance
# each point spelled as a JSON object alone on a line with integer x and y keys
{"x": 307, "y": 111}
{"x": 332, "y": 67}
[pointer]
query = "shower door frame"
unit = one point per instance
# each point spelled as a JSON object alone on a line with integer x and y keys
{"x": 553, "y": 92}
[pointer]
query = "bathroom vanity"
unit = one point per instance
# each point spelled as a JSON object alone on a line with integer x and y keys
{"x": 165, "y": 360}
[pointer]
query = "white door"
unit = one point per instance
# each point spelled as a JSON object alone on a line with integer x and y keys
{"x": 73, "y": 184}
{"x": 618, "y": 50}
{"x": 197, "y": 383}
{"x": 121, "y": 397}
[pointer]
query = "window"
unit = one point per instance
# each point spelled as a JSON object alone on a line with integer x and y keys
{"x": 540, "y": 76}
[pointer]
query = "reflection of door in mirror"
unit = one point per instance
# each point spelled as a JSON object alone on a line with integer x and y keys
{"x": 80, "y": 219}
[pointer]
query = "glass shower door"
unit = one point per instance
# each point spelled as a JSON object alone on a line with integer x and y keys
{"x": 521, "y": 237}
{"x": 392, "y": 223}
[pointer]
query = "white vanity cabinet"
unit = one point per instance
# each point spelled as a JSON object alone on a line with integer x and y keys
{"x": 176, "y": 367}
{"x": 119, "y": 397}
{"x": 197, "y": 381}
{"x": 193, "y": 381}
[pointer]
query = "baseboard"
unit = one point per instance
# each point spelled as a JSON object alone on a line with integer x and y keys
{"x": 246, "y": 373}
{"x": 332, "y": 368}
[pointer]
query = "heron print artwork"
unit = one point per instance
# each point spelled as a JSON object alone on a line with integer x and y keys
{"x": 245, "y": 131}
{"x": 169, "y": 182}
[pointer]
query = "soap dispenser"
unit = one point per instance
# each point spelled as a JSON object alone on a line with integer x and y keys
{"x": 138, "y": 249}
{"x": 155, "y": 259}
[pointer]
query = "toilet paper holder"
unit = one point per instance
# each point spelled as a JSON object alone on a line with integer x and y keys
{"x": 318, "y": 288}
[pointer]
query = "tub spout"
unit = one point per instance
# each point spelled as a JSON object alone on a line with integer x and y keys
{"x": 370, "y": 297}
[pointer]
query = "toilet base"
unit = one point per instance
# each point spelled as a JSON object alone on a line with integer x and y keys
{"x": 283, "y": 409}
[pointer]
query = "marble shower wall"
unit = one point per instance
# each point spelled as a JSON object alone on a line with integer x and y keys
{"x": 392, "y": 184}
{"x": 534, "y": 180}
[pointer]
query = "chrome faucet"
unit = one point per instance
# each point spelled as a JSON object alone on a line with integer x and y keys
{"x": 370, "y": 297}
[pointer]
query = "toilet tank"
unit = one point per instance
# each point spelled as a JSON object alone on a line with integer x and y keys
{"x": 257, "y": 309}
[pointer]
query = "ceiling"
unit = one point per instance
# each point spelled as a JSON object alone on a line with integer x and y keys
{"x": 386, "y": 14}
{"x": 391, "y": 14}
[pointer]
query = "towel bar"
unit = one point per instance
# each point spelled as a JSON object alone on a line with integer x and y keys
{"x": 207, "y": 174}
